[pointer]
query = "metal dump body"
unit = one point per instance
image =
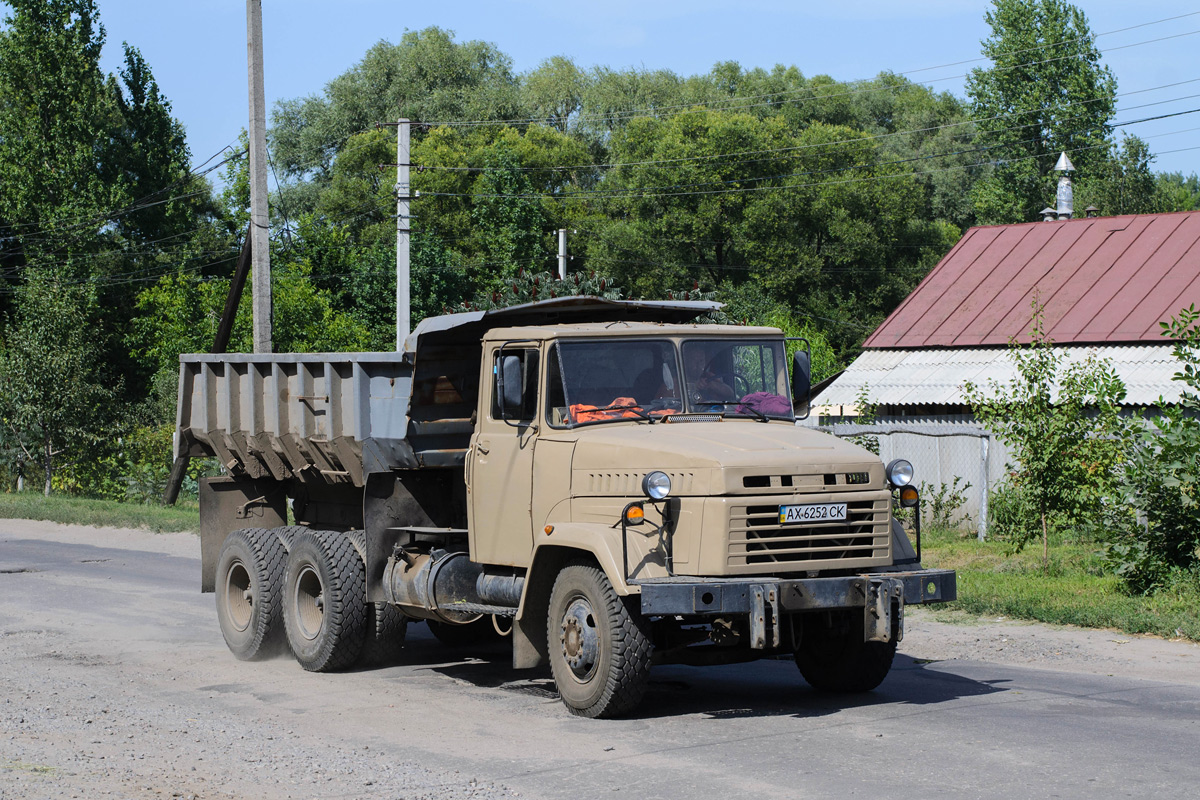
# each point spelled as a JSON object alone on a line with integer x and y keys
{"x": 329, "y": 415}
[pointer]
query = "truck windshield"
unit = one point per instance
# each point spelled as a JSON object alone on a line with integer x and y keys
{"x": 742, "y": 377}
{"x": 604, "y": 381}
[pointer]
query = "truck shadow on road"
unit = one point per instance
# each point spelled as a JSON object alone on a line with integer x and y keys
{"x": 770, "y": 687}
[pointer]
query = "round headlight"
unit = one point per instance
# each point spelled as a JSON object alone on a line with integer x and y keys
{"x": 899, "y": 472}
{"x": 656, "y": 485}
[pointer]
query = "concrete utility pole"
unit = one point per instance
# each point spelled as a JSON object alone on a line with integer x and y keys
{"x": 403, "y": 230}
{"x": 562, "y": 254}
{"x": 260, "y": 220}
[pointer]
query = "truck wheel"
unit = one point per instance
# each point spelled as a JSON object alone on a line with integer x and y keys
{"x": 386, "y": 624}
{"x": 480, "y": 631}
{"x": 325, "y": 601}
{"x": 838, "y": 660}
{"x": 599, "y": 647}
{"x": 386, "y": 628}
{"x": 249, "y": 584}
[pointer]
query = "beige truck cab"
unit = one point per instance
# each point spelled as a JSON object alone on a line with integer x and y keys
{"x": 609, "y": 484}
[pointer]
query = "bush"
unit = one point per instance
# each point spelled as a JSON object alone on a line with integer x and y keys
{"x": 1151, "y": 515}
{"x": 1012, "y": 517}
{"x": 942, "y": 506}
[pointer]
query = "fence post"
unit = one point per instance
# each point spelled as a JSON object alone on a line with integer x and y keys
{"x": 983, "y": 486}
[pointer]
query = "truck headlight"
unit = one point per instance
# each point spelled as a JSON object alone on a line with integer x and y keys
{"x": 899, "y": 473}
{"x": 656, "y": 485}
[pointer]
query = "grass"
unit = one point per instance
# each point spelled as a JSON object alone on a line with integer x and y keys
{"x": 83, "y": 511}
{"x": 1077, "y": 590}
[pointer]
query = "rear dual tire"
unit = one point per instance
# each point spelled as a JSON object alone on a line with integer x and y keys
{"x": 324, "y": 601}
{"x": 249, "y": 583}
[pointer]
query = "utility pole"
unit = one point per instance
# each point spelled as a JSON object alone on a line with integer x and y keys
{"x": 403, "y": 230}
{"x": 260, "y": 220}
{"x": 562, "y": 254}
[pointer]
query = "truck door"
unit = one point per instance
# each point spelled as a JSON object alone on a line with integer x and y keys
{"x": 500, "y": 472}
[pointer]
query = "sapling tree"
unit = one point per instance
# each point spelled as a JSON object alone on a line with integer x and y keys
{"x": 1061, "y": 421}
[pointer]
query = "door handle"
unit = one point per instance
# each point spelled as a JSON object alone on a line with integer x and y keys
{"x": 482, "y": 448}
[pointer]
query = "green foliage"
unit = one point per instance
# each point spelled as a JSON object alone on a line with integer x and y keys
{"x": 101, "y": 513}
{"x": 1151, "y": 513}
{"x": 1012, "y": 518}
{"x": 1046, "y": 92}
{"x": 1061, "y": 422}
{"x": 1077, "y": 591}
{"x": 529, "y": 287}
{"x": 1124, "y": 184}
{"x": 53, "y": 387}
{"x": 942, "y": 506}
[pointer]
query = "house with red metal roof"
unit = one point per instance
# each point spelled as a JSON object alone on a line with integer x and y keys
{"x": 1105, "y": 284}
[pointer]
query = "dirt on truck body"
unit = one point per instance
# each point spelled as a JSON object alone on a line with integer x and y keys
{"x": 607, "y": 483}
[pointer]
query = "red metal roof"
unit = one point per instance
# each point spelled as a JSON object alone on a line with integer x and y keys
{"x": 1100, "y": 280}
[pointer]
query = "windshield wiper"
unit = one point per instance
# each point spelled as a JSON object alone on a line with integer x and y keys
{"x": 635, "y": 409}
{"x": 758, "y": 414}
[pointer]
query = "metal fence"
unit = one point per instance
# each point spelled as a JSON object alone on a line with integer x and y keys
{"x": 941, "y": 452}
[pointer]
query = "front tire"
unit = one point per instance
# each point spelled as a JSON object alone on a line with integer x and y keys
{"x": 325, "y": 601}
{"x": 599, "y": 645}
{"x": 249, "y": 584}
{"x": 836, "y": 659}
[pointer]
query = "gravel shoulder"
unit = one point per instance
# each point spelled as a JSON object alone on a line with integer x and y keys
{"x": 949, "y": 636}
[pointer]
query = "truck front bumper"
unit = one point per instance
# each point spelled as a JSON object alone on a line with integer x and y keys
{"x": 767, "y": 600}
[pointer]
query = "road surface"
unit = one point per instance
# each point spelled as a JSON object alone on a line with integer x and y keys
{"x": 116, "y": 683}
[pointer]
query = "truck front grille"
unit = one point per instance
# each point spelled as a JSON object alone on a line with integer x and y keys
{"x": 757, "y": 538}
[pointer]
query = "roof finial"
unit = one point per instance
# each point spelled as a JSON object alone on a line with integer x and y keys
{"x": 1065, "y": 197}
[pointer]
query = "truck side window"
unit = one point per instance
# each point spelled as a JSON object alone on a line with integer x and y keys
{"x": 556, "y": 396}
{"x": 526, "y": 373}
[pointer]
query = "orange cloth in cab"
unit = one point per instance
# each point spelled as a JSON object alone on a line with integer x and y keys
{"x": 581, "y": 412}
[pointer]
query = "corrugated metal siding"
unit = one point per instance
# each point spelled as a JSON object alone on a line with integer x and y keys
{"x": 1100, "y": 280}
{"x": 936, "y": 377}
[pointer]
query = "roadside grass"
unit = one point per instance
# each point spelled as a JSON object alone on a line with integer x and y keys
{"x": 109, "y": 513}
{"x": 1076, "y": 591}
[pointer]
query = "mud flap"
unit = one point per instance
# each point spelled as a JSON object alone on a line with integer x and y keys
{"x": 877, "y": 616}
{"x": 764, "y": 616}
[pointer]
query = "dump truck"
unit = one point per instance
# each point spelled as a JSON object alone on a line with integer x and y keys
{"x": 609, "y": 485}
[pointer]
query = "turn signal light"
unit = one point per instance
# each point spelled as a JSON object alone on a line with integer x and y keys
{"x": 908, "y": 496}
{"x": 635, "y": 514}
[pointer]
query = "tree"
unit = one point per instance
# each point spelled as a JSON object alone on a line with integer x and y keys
{"x": 1046, "y": 92}
{"x": 1123, "y": 185}
{"x": 55, "y": 116}
{"x": 53, "y": 387}
{"x": 554, "y": 91}
{"x": 427, "y": 77}
{"x": 1060, "y": 420}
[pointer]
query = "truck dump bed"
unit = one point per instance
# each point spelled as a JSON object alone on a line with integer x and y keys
{"x": 296, "y": 415}
{"x": 337, "y": 417}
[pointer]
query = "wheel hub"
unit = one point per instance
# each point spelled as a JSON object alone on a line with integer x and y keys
{"x": 580, "y": 638}
{"x": 239, "y": 596}
{"x": 310, "y": 603}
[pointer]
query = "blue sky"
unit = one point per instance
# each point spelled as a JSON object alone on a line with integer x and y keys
{"x": 197, "y": 48}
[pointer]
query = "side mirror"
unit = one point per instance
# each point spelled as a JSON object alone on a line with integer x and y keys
{"x": 511, "y": 386}
{"x": 801, "y": 377}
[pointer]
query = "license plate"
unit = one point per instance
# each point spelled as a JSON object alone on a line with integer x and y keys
{"x": 813, "y": 512}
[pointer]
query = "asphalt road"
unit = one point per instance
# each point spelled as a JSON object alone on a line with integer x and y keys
{"x": 116, "y": 683}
